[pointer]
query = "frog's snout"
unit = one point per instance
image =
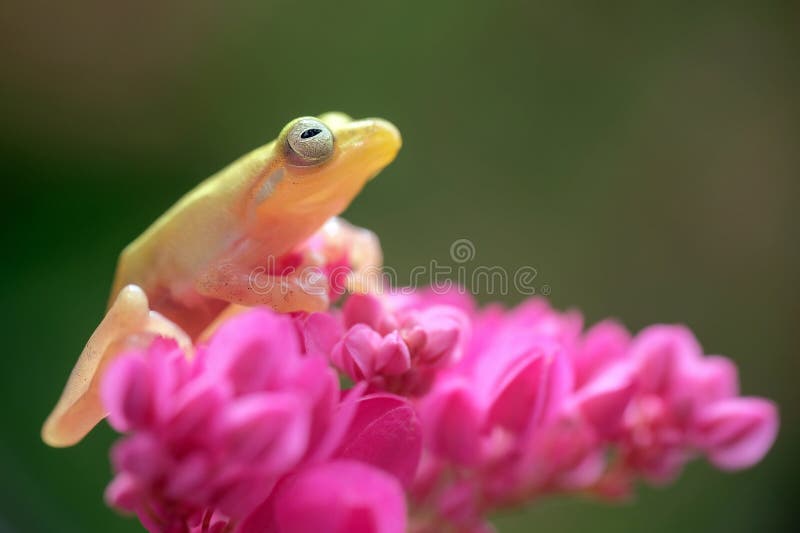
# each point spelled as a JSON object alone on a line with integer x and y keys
{"x": 388, "y": 132}
{"x": 380, "y": 140}
{"x": 363, "y": 148}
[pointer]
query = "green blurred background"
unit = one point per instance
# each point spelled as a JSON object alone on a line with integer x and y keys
{"x": 644, "y": 157}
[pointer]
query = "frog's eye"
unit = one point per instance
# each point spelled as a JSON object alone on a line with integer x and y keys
{"x": 309, "y": 142}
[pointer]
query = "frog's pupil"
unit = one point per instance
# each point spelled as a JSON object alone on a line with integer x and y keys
{"x": 310, "y": 133}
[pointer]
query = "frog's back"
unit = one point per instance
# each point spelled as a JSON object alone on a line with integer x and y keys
{"x": 191, "y": 234}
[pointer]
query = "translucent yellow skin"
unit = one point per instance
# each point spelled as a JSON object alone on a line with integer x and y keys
{"x": 200, "y": 254}
{"x": 198, "y": 258}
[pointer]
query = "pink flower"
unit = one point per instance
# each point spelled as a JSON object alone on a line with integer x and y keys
{"x": 210, "y": 439}
{"x": 736, "y": 433}
{"x": 515, "y": 377}
{"x": 536, "y": 406}
{"x": 393, "y": 343}
{"x": 455, "y": 413}
{"x": 686, "y": 403}
{"x": 503, "y": 421}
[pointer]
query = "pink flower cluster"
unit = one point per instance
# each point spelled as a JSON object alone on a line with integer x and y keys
{"x": 452, "y": 412}
{"x": 233, "y": 439}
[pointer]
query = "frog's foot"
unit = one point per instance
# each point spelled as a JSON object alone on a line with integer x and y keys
{"x": 358, "y": 248}
{"x": 128, "y": 324}
{"x": 296, "y": 290}
{"x": 338, "y": 257}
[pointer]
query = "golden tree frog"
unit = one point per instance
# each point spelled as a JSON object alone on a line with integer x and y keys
{"x": 199, "y": 257}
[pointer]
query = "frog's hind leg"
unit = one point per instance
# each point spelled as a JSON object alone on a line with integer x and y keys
{"x": 129, "y": 323}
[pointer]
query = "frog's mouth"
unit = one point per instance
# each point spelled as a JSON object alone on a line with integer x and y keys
{"x": 367, "y": 146}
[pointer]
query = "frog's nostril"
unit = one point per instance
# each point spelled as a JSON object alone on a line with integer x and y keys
{"x": 311, "y": 132}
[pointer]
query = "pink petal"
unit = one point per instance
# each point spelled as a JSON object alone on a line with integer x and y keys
{"x": 452, "y": 422}
{"x": 603, "y": 401}
{"x": 713, "y": 378}
{"x": 190, "y": 479}
{"x": 564, "y": 452}
{"x": 386, "y": 433}
{"x": 171, "y": 370}
{"x": 603, "y": 345}
{"x": 341, "y": 497}
{"x": 663, "y": 468}
{"x": 443, "y": 327}
{"x": 321, "y": 332}
{"x": 268, "y": 432}
{"x": 193, "y": 412}
{"x": 357, "y": 352}
{"x": 140, "y": 455}
{"x": 319, "y": 384}
{"x": 587, "y": 473}
{"x": 738, "y": 432}
{"x": 123, "y": 493}
{"x": 363, "y": 309}
{"x": 532, "y": 390}
{"x": 392, "y": 357}
{"x": 243, "y": 495}
{"x": 336, "y": 432}
{"x": 458, "y": 503}
{"x": 252, "y": 349}
{"x": 127, "y": 393}
{"x": 660, "y": 353}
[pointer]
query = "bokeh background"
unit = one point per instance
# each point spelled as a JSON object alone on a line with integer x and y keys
{"x": 643, "y": 157}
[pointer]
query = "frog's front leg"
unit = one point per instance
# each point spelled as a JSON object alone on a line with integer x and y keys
{"x": 358, "y": 247}
{"x": 285, "y": 291}
{"x": 128, "y": 324}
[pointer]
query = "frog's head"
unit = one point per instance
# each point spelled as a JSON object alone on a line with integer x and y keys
{"x": 318, "y": 165}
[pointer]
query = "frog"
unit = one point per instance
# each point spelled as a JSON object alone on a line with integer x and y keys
{"x": 205, "y": 257}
